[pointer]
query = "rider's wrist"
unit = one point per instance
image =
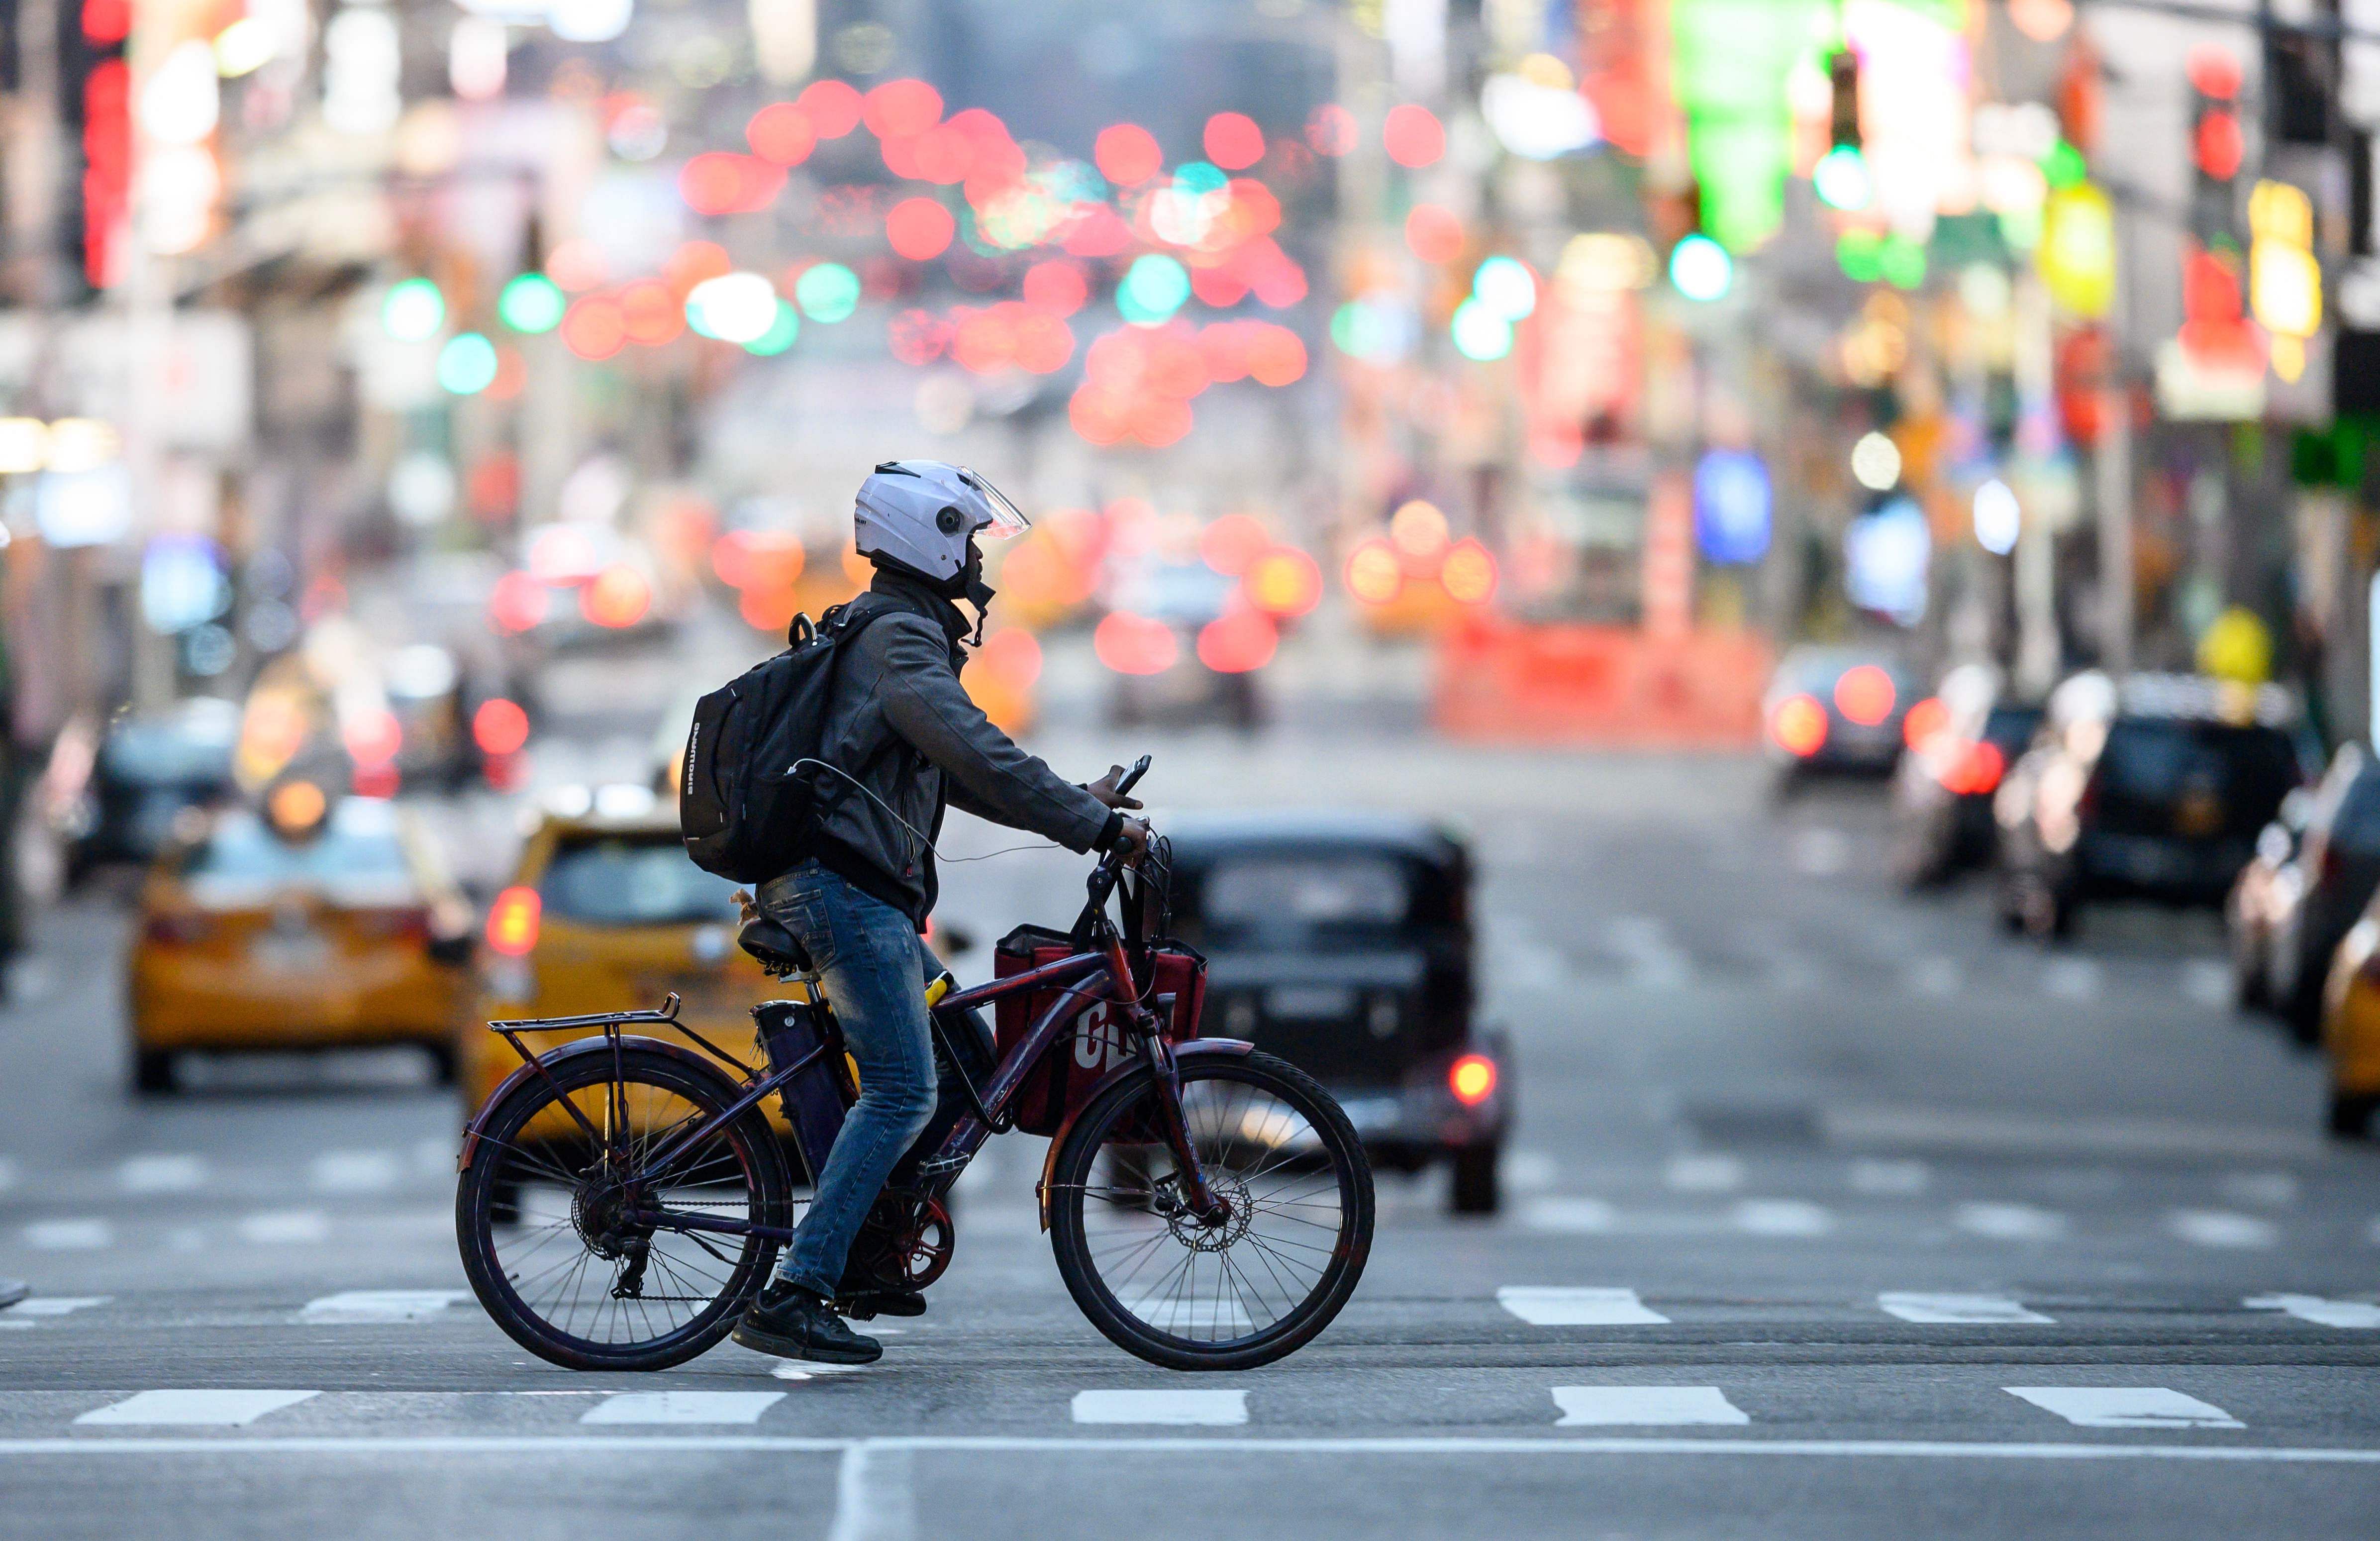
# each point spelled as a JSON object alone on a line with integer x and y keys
{"x": 1109, "y": 832}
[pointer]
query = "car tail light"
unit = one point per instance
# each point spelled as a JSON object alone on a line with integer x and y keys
{"x": 512, "y": 921}
{"x": 1864, "y": 695}
{"x": 177, "y": 930}
{"x": 1975, "y": 769}
{"x": 1799, "y": 725}
{"x": 1922, "y": 720}
{"x": 1472, "y": 1079}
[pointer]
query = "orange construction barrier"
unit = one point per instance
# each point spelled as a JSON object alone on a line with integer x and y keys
{"x": 1567, "y": 683}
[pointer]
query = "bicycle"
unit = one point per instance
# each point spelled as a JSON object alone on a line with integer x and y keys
{"x": 1209, "y": 1206}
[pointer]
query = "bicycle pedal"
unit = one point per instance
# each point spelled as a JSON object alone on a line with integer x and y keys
{"x": 859, "y": 1310}
{"x": 940, "y": 1166}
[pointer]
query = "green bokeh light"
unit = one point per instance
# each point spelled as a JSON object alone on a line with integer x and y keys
{"x": 780, "y": 334}
{"x": 2064, "y": 166}
{"x": 466, "y": 365}
{"x": 1902, "y": 261}
{"x": 828, "y": 292}
{"x": 413, "y": 310}
{"x": 1858, "y": 254}
{"x": 1480, "y": 335}
{"x": 1153, "y": 288}
{"x": 531, "y": 304}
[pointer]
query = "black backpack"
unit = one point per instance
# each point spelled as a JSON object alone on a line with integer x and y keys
{"x": 744, "y": 808}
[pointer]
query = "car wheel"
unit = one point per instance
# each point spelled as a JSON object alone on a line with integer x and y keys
{"x": 1476, "y": 1190}
{"x": 152, "y": 1071}
{"x": 442, "y": 1064}
{"x": 2350, "y": 1114}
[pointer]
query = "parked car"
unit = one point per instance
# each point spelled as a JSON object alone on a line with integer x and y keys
{"x": 2267, "y": 889}
{"x": 1344, "y": 943}
{"x": 149, "y": 769}
{"x": 2335, "y": 870}
{"x": 307, "y": 924}
{"x": 2350, "y": 1029}
{"x": 2154, "y": 791}
{"x": 1960, "y": 748}
{"x": 1837, "y": 710}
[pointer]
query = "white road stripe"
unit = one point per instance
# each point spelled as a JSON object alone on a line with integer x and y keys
{"x": 1781, "y": 1217}
{"x": 174, "y": 1172}
{"x": 649, "y": 1445}
{"x": 2271, "y": 1189}
{"x": 2125, "y": 1407}
{"x": 2070, "y": 978}
{"x": 220, "y": 1408}
{"x": 1910, "y": 1306}
{"x": 1644, "y": 1406}
{"x": 2207, "y": 981}
{"x": 284, "y": 1228}
{"x": 381, "y": 1305}
{"x": 1577, "y": 1217}
{"x": 355, "y": 1172}
{"x": 683, "y": 1407}
{"x": 875, "y": 1493}
{"x": 2222, "y": 1229}
{"x": 1935, "y": 977}
{"x": 1705, "y": 1174}
{"x": 1528, "y": 1171}
{"x": 1880, "y": 1178}
{"x": 1161, "y": 1407}
{"x": 70, "y": 1235}
{"x": 50, "y": 1306}
{"x": 1564, "y": 1305}
{"x": 2306, "y": 1308}
{"x": 2011, "y": 1222}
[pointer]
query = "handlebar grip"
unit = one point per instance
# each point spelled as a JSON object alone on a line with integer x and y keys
{"x": 1139, "y": 768}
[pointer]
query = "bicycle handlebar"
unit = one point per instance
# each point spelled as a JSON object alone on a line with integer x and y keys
{"x": 1103, "y": 874}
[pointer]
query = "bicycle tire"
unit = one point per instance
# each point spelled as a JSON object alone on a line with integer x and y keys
{"x": 490, "y": 1198}
{"x": 1071, "y": 1202}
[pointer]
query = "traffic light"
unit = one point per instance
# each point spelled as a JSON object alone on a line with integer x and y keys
{"x": 1840, "y": 178}
{"x": 1843, "y": 75}
{"x": 2218, "y": 146}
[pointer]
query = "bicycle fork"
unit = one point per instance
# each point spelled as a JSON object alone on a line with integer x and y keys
{"x": 1209, "y": 1208}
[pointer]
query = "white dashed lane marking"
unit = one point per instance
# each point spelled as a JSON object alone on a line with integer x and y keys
{"x": 284, "y": 1228}
{"x": 1955, "y": 1308}
{"x": 2125, "y": 1407}
{"x": 1605, "y": 1406}
{"x": 381, "y": 1305}
{"x": 216, "y": 1408}
{"x": 1560, "y": 1306}
{"x": 1571, "y": 1217}
{"x": 70, "y": 1235}
{"x": 40, "y": 1308}
{"x": 2011, "y": 1222}
{"x": 2071, "y": 979}
{"x": 2314, "y": 1308}
{"x": 1161, "y": 1407}
{"x": 174, "y": 1173}
{"x": 355, "y": 1172}
{"x": 1782, "y": 1217}
{"x": 2222, "y": 1229}
{"x": 683, "y": 1407}
{"x": 1705, "y": 1174}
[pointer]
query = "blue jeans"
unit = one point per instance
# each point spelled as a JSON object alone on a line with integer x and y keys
{"x": 874, "y": 967}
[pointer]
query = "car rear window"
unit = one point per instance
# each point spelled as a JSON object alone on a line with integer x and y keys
{"x": 355, "y": 847}
{"x": 2156, "y": 762}
{"x": 2011, "y": 729}
{"x": 1253, "y": 898}
{"x": 616, "y": 880}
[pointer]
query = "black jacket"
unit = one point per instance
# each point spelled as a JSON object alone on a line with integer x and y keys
{"x": 901, "y": 724}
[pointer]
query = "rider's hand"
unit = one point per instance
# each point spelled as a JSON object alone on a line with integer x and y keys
{"x": 1104, "y": 789}
{"x": 747, "y": 910}
{"x": 1132, "y": 841}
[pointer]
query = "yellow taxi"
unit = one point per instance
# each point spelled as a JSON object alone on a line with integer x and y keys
{"x": 303, "y": 924}
{"x": 2351, "y": 1029}
{"x": 604, "y": 913}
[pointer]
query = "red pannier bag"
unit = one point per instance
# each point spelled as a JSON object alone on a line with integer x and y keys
{"x": 1092, "y": 1044}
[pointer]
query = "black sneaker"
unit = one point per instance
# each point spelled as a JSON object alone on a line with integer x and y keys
{"x": 795, "y": 1323}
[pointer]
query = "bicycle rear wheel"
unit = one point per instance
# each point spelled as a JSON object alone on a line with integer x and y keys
{"x": 548, "y": 1232}
{"x": 1275, "y": 1147}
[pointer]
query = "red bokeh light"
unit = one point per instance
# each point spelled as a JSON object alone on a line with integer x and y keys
{"x": 1234, "y": 141}
{"x": 2214, "y": 72}
{"x": 650, "y": 314}
{"x": 782, "y": 134}
{"x": 512, "y": 921}
{"x": 1100, "y": 231}
{"x": 899, "y": 109}
{"x": 106, "y": 21}
{"x": 1799, "y": 725}
{"x": 1127, "y": 154}
{"x": 693, "y": 262}
{"x": 1864, "y": 695}
{"x": 1413, "y": 135}
{"x": 920, "y": 228}
{"x": 372, "y": 737}
{"x": 918, "y": 337}
{"x": 499, "y": 727}
{"x": 720, "y": 182}
{"x": 594, "y": 328}
{"x": 2220, "y": 145}
{"x": 943, "y": 155}
{"x": 1009, "y": 657}
{"x": 1283, "y": 581}
{"x": 1922, "y": 720}
{"x": 1276, "y": 355}
{"x": 1219, "y": 287}
{"x": 1131, "y": 644}
{"x": 1331, "y": 130}
{"x": 832, "y": 107}
{"x": 1433, "y": 232}
{"x": 1975, "y": 770}
{"x": 576, "y": 265}
{"x": 1237, "y": 641}
{"x": 1231, "y": 543}
{"x": 619, "y": 596}
{"x": 1057, "y": 287}
{"x": 1472, "y": 1079}
{"x": 518, "y": 603}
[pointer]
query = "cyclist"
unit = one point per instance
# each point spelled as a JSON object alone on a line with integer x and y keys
{"x": 906, "y": 743}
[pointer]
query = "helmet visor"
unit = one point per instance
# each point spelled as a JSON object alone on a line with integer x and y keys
{"x": 1007, "y": 519}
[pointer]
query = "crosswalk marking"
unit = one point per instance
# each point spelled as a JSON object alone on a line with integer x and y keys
{"x": 70, "y": 1235}
{"x": 2206, "y": 981}
{"x": 2010, "y": 1222}
{"x": 1911, "y": 1306}
{"x": 1782, "y": 1217}
{"x": 2271, "y": 1189}
{"x": 2072, "y": 978}
{"x": 284, "y": 1228}
{"x": 1705, "y": 1174}
{"x": 40, "y": 1308}
{"x": 1582, "y": 1216}
{"x": 2125, "y": 1407}
{"x": 1605, "y": 1405}
{"x": 683, "y": 1407}
{"x": 2222, "y": 1229}
{"x": 1524, "y": 1170}
{"x": 2314, "y": 1308}
{"x": 220, "y": 1408}
{"x": 353, "y": 1172}
{"x": 1565, "y": 1305}
{"x": 381, "y": 1305}
{"x": 1161, "y": 1407}
{"x": 163, "y": 1173}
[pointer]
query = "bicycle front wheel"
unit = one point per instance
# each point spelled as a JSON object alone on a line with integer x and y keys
{"x": 586, "y": 1267}
{"x": 1191, "y": 1296}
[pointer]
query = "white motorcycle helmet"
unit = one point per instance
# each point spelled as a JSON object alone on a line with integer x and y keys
{"x": 918, "y": 515}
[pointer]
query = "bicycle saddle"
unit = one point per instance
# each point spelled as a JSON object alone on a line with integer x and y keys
{"x": 778, "y": 949}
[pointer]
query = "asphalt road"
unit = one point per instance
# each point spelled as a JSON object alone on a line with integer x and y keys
{"x": 1831, "y": 1213}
